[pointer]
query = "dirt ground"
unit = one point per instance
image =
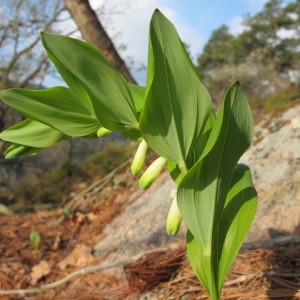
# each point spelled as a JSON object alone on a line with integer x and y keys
{"x": 62, "y": 265}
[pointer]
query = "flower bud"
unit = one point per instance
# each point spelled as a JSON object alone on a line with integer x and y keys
{"x": 152, "y": 172}
{"x": 174, "y": 218}
{"x": 102, "y": 132}
{"x": 139, "y": 158}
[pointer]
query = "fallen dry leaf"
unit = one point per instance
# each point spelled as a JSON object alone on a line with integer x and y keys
{"x": 39, "y": 270}
{"x": 79, "y": 257}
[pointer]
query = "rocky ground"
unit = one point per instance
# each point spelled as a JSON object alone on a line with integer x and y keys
{"x": 126, "y": 228}
{"x": 275, "y": 163}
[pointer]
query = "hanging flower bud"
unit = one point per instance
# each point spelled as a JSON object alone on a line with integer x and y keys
{"x": 139, "y": 158}
{"x": 174, "y": 218}
{"x": 152, "y": 172}
{"x": 102, "y": 132}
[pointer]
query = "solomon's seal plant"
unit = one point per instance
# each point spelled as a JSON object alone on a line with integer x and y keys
{"x": 172, "y": 115}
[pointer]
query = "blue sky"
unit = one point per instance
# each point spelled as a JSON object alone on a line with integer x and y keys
{"x": 194, "y": 19}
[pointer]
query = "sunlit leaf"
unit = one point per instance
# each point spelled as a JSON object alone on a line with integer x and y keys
{"x": 203, "y": 191}
{"x": 96, "y": 82}
{"x": 16, "y": 150}
{"x": 32, "y": 133}
{"x": 236, "y": 218}
{"x": 200, "y": 263}
{"x": 235, "y": 221}
{"x": 177, "y": 103}
{"x": 56, "y": 107}
{"x": 205, "y": 187}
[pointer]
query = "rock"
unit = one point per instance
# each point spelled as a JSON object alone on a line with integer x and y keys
{"x": 141, "y": 226}
{"x": 275, "y": 164}
{"x": 296, "y": 122}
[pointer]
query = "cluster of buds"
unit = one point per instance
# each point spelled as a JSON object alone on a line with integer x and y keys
{"x": 149, "y": 176}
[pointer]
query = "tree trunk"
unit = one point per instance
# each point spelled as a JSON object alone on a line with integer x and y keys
{"x": 93, "y": 32}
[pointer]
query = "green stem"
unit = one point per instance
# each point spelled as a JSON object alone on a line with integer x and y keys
{"x": 212, "y": 287}
{"x": 214, "y": 295}
{"x": 183, "y": 169}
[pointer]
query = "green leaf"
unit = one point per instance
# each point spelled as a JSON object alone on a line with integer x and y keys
{"x": 98, "y": 84}
{"x": 16, "y": 150}
{"x": 202, "y": 192}
{"x": 195, "y": 152}
{"x": 56, "y": 107}
{"x": 205, "y": 187}
{"x": 33, "y": 133}
{"x": 30, "y": 137}
{"x": 200, "y": 263}
{"x": 235, "y": 221}
{"x": 177, "y": 104}
{"x": 138, "y": 94}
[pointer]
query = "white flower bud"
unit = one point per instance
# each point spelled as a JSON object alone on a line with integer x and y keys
{"x": 174, "y": 218}
{"x": 152, "y": 172}
{"x": 139, "y": 158}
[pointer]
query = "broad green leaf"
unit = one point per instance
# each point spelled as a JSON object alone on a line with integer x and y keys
{"x": 56, "y": 107}
{"x": 177, "y": 104}
{"x": 200, "y": 263}
{"x": 96, "y": 82}
{"x": 202, "y": 192}
{"x": 236, "y": 219}
{"x": 195, "y": 152}
{"x": 233, "y": 226}
{"x": 33, "y": 133}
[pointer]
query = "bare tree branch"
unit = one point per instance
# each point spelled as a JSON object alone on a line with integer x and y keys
{"x": 20, "y": 40}
{"x": 87, "y": 270}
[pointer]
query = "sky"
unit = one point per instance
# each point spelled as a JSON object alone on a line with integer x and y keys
{"x": 194, "y": 20}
